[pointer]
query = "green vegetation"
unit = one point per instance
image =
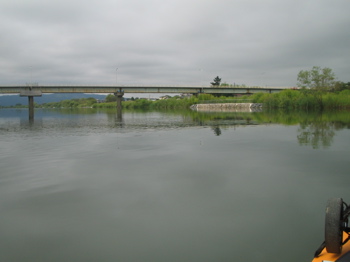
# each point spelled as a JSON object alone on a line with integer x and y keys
{"x": 16, "y": 106}
{"x": 316, "y": 128}
{"x": 319, "y": 91}
{"x": 111, "y": 98}
{"x": 216, "y": 81}
{"x": 73, "y": 103}
{"x": 175, "y": 102}
{"x": 304, "y": 99}
{"x": 340, "y": 86}
{"x": 341, "y": 118}
{"x": 320, "y": 79}
{"x": 317, "y": 81}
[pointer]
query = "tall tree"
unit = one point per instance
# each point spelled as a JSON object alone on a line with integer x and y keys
{"x": 320, "y": 79}
{"x": 316, "y": 82}
{"x": 217, "y": 81}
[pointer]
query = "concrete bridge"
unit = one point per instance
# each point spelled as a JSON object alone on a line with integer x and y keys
{"x": 39, "y": 89}
{"x": 33, "y": 90}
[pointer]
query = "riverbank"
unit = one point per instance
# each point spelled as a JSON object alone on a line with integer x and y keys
{"x": 288, "y": 99}
{"x": 304, "y": 99}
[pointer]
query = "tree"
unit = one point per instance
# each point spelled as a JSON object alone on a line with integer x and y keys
{"x": 225, "y": 84}
{"x": 111, "y": 98}
{"x": 216, "y": 82}
{"x": 316, "y": 82}
{"x": 340, "y": 86}
{"x": 320, "y": 79}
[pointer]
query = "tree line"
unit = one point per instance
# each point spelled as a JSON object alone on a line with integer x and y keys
{"x": 317, "y": 79}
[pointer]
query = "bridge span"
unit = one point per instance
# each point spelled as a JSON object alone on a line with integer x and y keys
{"x": 35, "y": 90}
{"x": 39, "y": 89}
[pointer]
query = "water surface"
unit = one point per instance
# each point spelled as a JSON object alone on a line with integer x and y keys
{"x": 158, "y": 186}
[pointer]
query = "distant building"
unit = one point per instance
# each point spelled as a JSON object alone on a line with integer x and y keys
{"x": 186, "y": 95}
{"x": 164, "y": 97}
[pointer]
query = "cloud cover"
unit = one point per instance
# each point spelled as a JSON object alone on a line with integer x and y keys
{"x": 165, "y": 42}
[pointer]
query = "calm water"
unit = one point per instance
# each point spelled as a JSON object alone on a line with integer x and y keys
{"x": 87, "y": 186}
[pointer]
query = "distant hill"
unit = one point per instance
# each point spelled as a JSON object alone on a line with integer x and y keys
{"x": 12, "y": 100}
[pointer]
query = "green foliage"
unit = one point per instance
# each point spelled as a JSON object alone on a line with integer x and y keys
{"x": 170, "y": 103}
{"x": 105, "y": 105}
{"x": 202, "y": 97}
{"x": 175, "y": 103}
{"x": 303, "y": 99}
{"x": 341, "y": 100}
{"x": 225, "y": 84}
{"x": 18, "y": 106}
{"x": 138, "y": 103}
{"x": 340, "y": 86}
{"x": 345, "y": 93}
{"x": 321, "y": 79}
{"x": 111, "y": 98}
{"x": 216, "y": 82}
{"x": 259, "y": 97}
{"x": 73, "y": 103}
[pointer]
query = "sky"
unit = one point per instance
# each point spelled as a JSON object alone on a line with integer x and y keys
{"x": 174, "y": 43}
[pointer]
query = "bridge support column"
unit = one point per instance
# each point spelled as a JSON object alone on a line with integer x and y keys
{"x": 31, "y": 107}
{"x": 30, "y": 94}
{"x": 119, "y": 94}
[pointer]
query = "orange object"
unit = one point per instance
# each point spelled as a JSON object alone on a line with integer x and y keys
{"x": 344, "y": 256}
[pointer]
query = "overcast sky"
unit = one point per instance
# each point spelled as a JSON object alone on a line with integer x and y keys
{"x": 178, "y": 42}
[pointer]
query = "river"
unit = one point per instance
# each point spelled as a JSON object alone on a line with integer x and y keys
{"x": 168, "y": 186}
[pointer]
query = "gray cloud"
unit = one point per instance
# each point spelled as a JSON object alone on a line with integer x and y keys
{"x": 171, "y": 42}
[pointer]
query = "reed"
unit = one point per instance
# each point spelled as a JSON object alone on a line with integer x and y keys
{"x": 304, "y": 99}
{"x": 287, "y": 99}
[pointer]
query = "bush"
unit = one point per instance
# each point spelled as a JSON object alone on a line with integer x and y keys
{"x": 202, "y": 97}
{"x": 287, "y": 99}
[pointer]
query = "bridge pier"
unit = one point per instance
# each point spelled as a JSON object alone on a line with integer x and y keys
{"x": 119, "y": 94}
{"x": 31, "y": 107}
{"x": 31, "y": 94}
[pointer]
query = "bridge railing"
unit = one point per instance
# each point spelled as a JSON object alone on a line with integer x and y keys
{"x": 142, "y": 86}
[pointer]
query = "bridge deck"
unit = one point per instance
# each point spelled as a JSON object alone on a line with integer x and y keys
{"x": 139, "y": 89}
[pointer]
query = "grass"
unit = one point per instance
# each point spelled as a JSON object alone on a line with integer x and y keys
{"x": 304, "y": 99}
{"x": 286, "y": 99}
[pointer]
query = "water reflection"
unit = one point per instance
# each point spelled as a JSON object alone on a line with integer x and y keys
{"x": 319, "y": 129}
{"x": 217, "y": 130}
{"x": 316, "y": 134}
{"x": 315, "y": 129}
{"x": 188, "y": 184}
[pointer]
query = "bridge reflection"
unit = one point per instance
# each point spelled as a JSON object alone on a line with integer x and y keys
{"x": 316, "y": 129}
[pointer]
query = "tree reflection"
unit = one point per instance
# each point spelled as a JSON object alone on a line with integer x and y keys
{"x": 318, "y": 129}
{"x": 316, "y": 134}
{"x": 217, "y": 130}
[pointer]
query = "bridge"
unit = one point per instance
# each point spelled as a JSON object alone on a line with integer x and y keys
{"x": 34, "y": 90}
{"x": 39, "y": 89}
